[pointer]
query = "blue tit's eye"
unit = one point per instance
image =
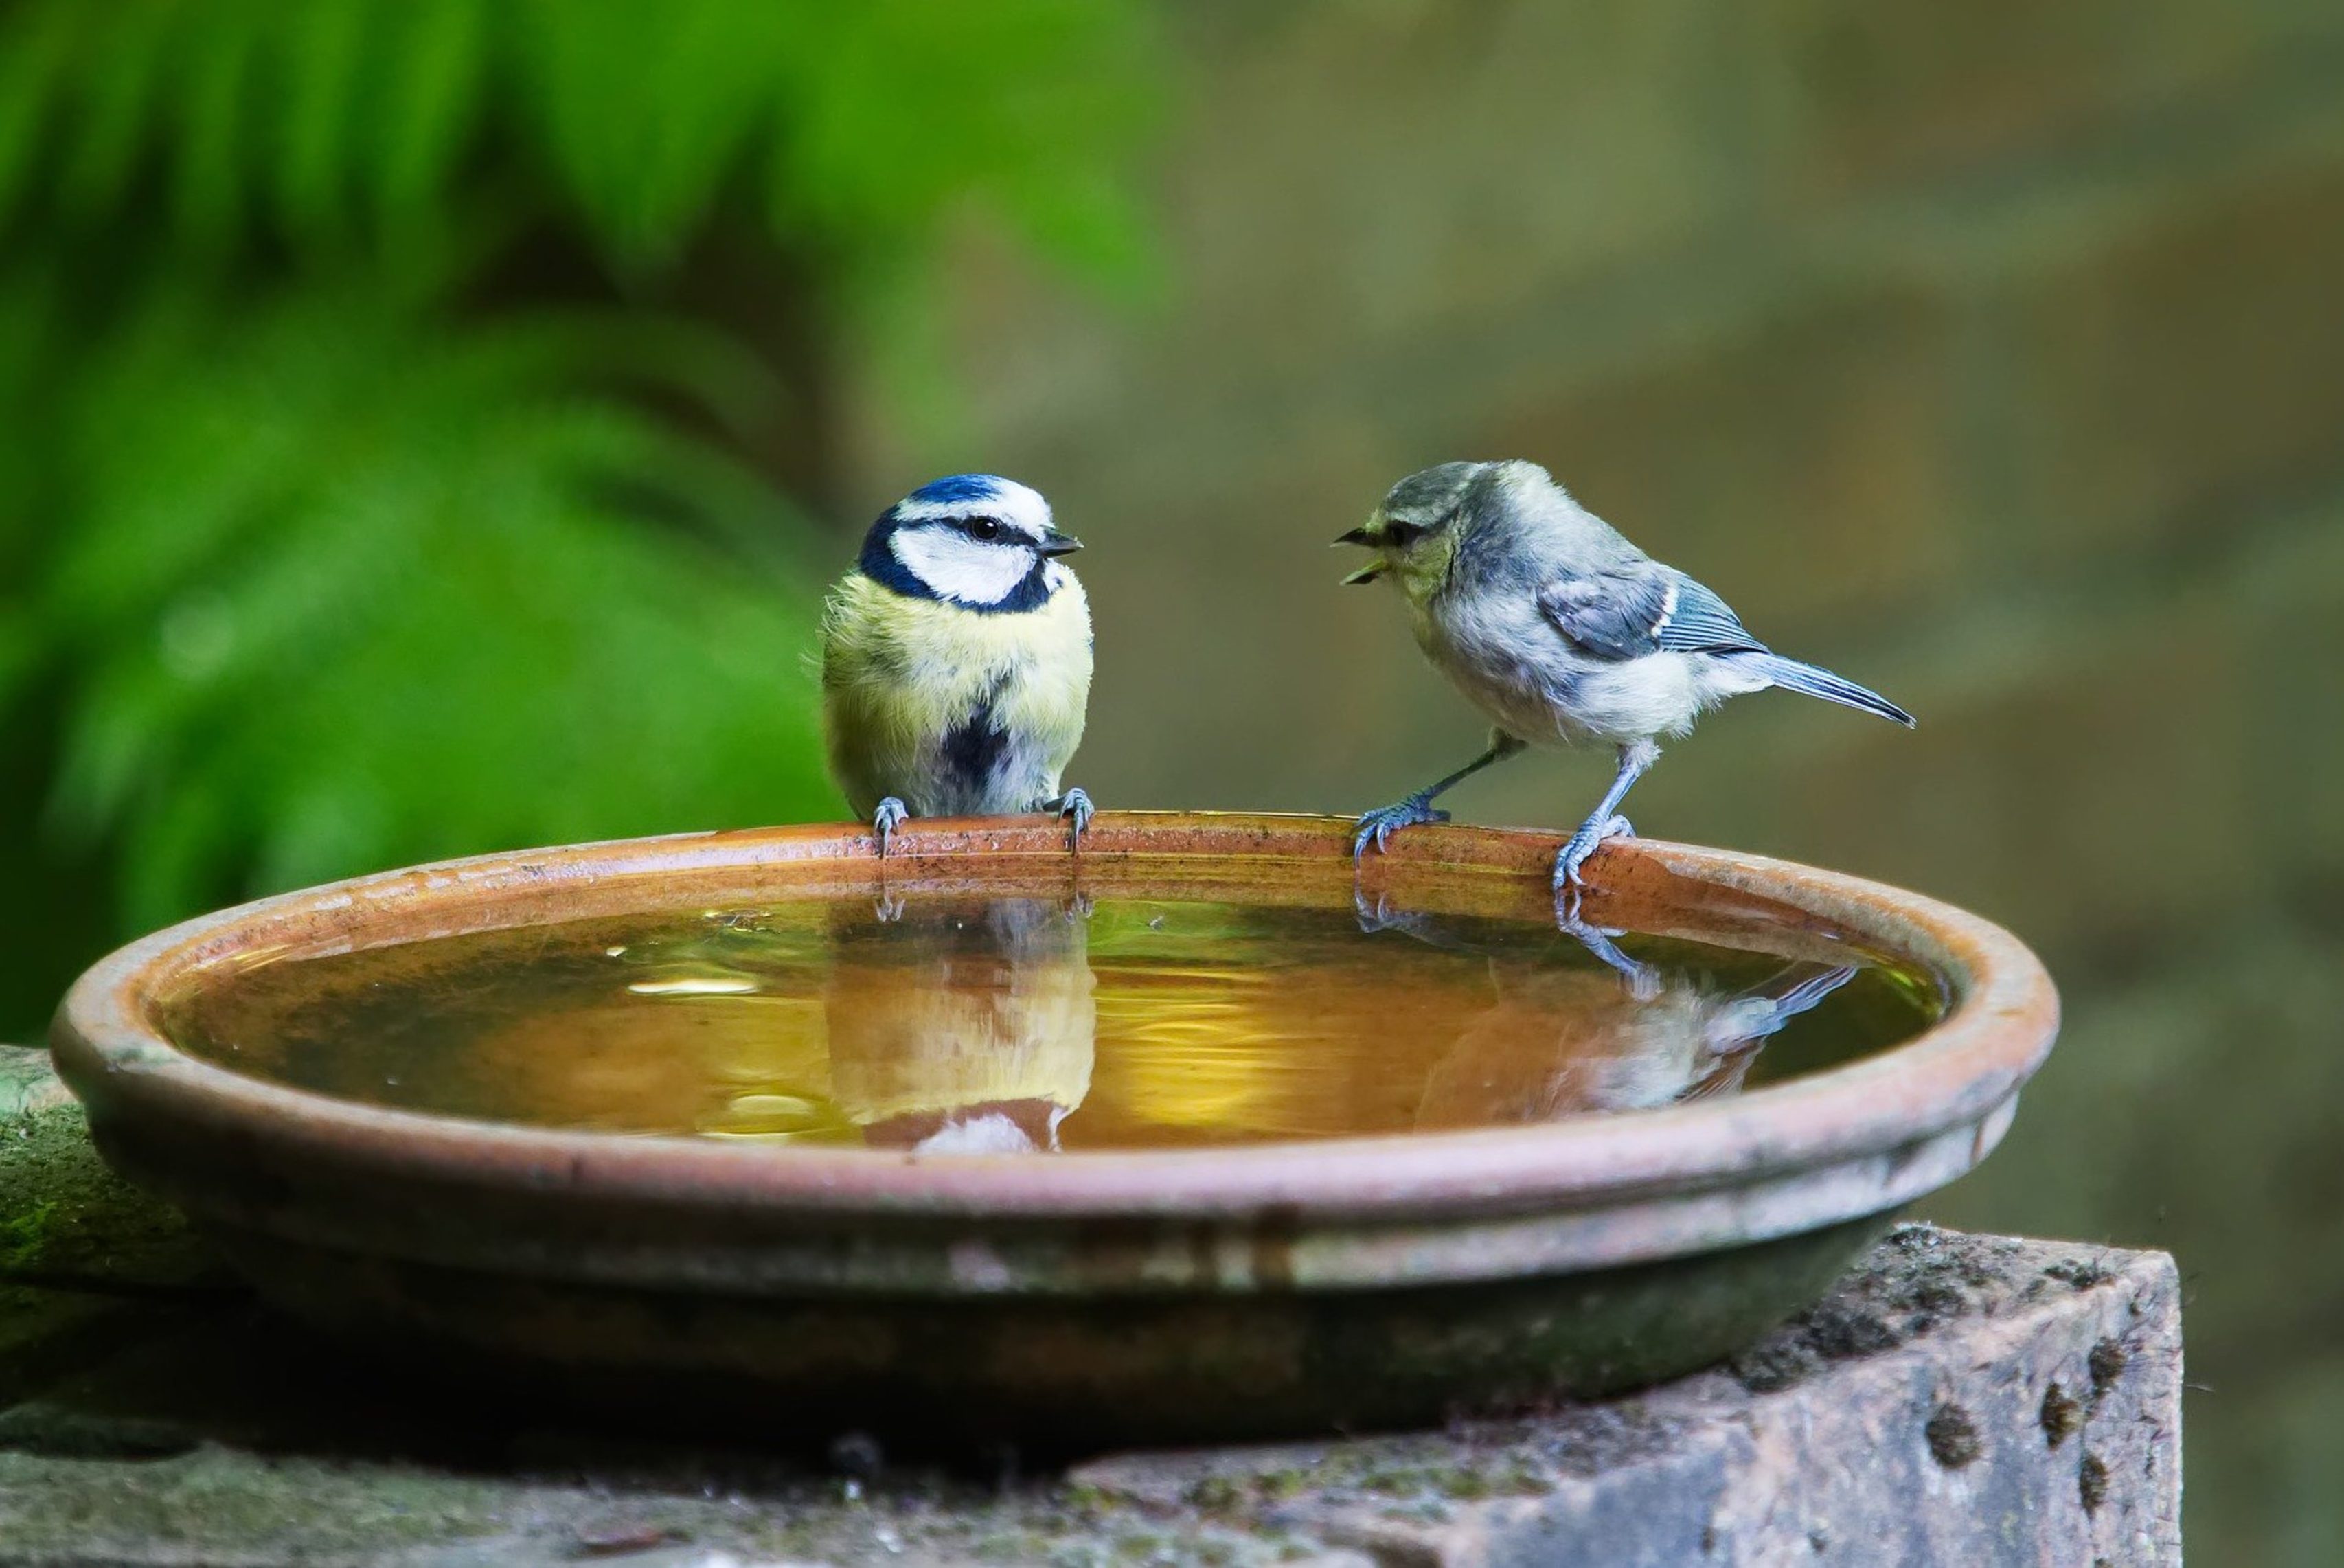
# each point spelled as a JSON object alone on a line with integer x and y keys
{"x": 984, "y": 528}
{"x": 1399, "y": 535}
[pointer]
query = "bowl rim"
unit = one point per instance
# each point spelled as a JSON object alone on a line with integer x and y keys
{"x": 1960, "y": 1072}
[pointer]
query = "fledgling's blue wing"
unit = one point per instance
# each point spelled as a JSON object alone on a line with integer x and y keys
{"x": 1642, "y": 608}
{"x": 1703, "y": 624}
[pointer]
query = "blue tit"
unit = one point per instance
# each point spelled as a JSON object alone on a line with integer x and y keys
{"x": 956, "y": 660}
{"x": 1560, "y": 631}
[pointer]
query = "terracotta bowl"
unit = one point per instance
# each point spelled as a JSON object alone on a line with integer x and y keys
{"x": 1088, "y": 1297}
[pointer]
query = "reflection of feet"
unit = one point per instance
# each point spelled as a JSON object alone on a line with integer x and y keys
{"x": 1426, "y": 928}
{"x": 889, "y": 817}
{"x": 1644, "y": 980}
{"x": 1381, "y": 823}
{"x": 889, "y": 908}
{"x": 1076, "y": 807}
{"x": 1381, "y": 916}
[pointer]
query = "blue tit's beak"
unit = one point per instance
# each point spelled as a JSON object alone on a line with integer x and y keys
{"x": 1056, "y": 543}
{"x": 1365, "y": 575}
{"x": 1359, "y": 535}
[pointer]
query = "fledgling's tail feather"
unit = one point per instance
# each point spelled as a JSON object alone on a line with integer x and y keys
{"x": 1815, "y": 682}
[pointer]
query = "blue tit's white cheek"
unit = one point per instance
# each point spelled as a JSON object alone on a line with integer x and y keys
{"x": 958, "y": 567}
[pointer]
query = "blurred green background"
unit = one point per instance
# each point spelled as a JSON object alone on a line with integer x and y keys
{"x": 425, "y": 426}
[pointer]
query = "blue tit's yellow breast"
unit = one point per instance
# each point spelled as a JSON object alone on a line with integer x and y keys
{"x": 902, "y": 675}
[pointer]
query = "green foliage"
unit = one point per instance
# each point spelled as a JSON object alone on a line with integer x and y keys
{"x": 853, "y": 127}
{"x": 377, "y": 488}
{"x": 389, "y": 595}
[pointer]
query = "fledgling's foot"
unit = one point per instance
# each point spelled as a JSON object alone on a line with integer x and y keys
{"x": 1381, "y": 823}
{"x": 1575, "y": 855}
{"x": 888, "y": 907}
{"x": 1076, "y": 807}
{"x": 890, "y": 815}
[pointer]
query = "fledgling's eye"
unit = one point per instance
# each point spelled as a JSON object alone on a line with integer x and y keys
{"x": 1399, "y": 534}
{"x": 984, "y": 528}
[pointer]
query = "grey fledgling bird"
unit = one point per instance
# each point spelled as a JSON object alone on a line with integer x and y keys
{"x": 1561, "y": 632}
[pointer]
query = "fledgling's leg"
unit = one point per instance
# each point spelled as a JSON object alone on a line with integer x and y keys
{"x": 1604, "y": 822}
{"x": 1076, "y": 807}
{"x": 1381, "y": 823}
{"x": 890, "y": 815}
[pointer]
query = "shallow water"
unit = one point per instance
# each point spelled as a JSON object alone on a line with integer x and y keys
{"x": 1007, "y": 1025}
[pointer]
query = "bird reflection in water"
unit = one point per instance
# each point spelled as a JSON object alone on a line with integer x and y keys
{"x": 962, "y": 1028}
{"x": 1636, "y": 1038}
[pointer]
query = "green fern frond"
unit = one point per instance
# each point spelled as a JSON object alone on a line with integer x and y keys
{"x": 349, "y": 592}
{"x": 861, "y": 124}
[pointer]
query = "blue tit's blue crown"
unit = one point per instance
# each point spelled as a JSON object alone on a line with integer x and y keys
{"x": 957, "y": 488}
{"x": 970, "y": 540}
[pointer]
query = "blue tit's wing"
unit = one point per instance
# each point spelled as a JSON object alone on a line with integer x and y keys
{"x": 1647, "y": 608}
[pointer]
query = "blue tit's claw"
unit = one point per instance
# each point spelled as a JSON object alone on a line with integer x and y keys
{"x": 1076, "y": 809}
{"x": 888, "y": 907}
{"x": 890, "y": 815}
{"x": 1377, "y": 826}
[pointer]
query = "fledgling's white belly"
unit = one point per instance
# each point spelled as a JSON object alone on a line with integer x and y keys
{"x": 1535, "y": 686}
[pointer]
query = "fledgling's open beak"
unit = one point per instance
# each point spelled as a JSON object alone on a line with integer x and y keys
{"x": 1373, "y": 569}
{"x": 1056, "y": 543}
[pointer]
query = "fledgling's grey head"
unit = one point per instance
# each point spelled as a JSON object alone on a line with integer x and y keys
{"x": 973, "y": 539}
{"x": 1418, "y": 528}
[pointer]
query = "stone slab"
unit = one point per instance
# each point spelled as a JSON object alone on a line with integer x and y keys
{"x": 1956, "y": 1399}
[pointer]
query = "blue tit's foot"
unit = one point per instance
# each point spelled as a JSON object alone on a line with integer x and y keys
{"x": 889, "y": 908}
{"x": 1381, "y": 823}
{"x": 891, "y": 814}
{"x": 1076, "y": 809}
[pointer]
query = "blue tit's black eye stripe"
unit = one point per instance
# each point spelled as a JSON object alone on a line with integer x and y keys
{"x": 1400, "y": 534}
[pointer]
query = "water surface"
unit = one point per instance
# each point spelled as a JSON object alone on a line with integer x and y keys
{"x": 1006, "y": 1025}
